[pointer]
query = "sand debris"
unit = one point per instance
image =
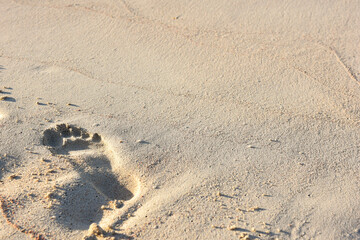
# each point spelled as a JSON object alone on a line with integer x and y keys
{"x": 232, "y": 228}
{"x": 4, "y": 98}
{"x": 49, "y": 195}
{"x": 12, "y": 177}
{"x": 244, "y": 236}
{"x": 254, "y": 209}
{"x": 51, "y": 171}
{"x": 116, "y": 204}
{"x": 94, "y": 231}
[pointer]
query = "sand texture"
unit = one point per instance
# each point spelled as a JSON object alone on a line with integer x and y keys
{"x": 185, "y": 119}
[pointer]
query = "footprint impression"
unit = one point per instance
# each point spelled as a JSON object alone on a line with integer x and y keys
{"x": 81, "y": 183}
{"x": 96, "y": 182}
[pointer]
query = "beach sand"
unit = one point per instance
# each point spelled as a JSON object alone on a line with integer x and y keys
{"x": 179, "y": 119}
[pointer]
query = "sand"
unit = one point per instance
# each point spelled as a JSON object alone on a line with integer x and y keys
{"x": 179, "y": 119}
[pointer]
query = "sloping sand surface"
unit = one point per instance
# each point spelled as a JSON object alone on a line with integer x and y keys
{"x": 173, "y": 119}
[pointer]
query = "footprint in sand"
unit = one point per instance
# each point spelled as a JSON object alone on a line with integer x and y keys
{"x": 88, "y": 185}
{"x": 96, "y": 180}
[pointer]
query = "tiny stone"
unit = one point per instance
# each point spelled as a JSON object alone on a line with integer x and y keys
{"x": 231, "y": 228}
{"x": 12, "y": 176}
{"x": 253, "y": 209}
{"x": 243, "y": 234}
{"x": 4, "y": 98}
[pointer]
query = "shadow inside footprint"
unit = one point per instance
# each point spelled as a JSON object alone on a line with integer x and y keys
{"x": 100, "y": 174}
{"x": 79, "y": 204}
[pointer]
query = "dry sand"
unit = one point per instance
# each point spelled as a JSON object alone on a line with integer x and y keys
{"x": 179, "y": 119}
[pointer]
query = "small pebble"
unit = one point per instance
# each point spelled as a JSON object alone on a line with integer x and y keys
{"x": 12, "y": 176}
{"x": 231, "y": 228}
{"x": 253, "y": 209}
{"x": 4, "y": 98}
